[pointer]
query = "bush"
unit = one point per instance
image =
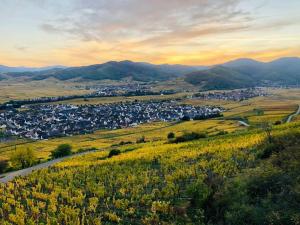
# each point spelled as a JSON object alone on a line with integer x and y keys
{"x": 124, "y": 143}
{"x": 279, "y": 143}
{"x": 268, "y": 150}
{"x": 277, "y": 122}
{"x": 189, "y": 137}
{"x": 222, "y": 132}
{"x": 61, "y": 151}
{"x": 3, "y": 166}
{"x": 22, "y": 158}
{"x": 171, "y": 135}
{"x": 141, "y": 140}
{"x": 81, "y": 150}
{"x": 114, "y": 152}
{"x": 203, "y": 117}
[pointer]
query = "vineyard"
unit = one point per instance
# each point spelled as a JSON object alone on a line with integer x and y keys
{"x": 105, "y": 138}
{"x": 220, "y": 179}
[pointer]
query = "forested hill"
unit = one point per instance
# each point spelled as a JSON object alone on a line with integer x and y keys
{"x": 219, "y": 77}
{"x": 115, "y": 71}
{"x": 243, "y": 73}
{"x": 234, "y": 74}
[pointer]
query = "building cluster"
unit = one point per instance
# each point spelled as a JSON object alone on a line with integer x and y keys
{"x": 114, "y": 88}
{"x": 45, "y": 121}
{"x": 134, "y": 89}
{"x": 235, "y": 95}
{"x": 98, "y": 91}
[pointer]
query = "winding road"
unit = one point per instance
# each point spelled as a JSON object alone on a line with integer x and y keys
{"x": 293, "y": 115}
{"x": 4, "y": 178}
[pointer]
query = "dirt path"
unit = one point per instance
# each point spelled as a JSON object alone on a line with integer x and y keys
{"x": 293, "y": 115}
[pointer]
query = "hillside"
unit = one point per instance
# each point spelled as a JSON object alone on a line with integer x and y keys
{"x": 215, "y": 180}
{"x": 243, "y": 73}
{"x": 234, "y": 74}
{"x": 283, "y": 70}
{"x": 8, "y": 69}
{"x": 219, "y": 77}
{"x": 114, "y": 71}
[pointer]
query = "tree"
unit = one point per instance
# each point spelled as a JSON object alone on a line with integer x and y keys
{"x": 189, "y": 137}
{"x": 141, "y": 140}
{"x": 114, "y": 152}
{"x": 171, "y": 135}
{"x": 185, "y": 118}
{"x": 23, "y": 158}
{"x": 267, "y": 128}
{"x": 3, "y": 165}
{"x": 278, "y": 122}
{"x": 61, "y": 151}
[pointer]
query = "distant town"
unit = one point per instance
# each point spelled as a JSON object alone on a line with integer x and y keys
{"x": 97, "y": 92}
{"x": 235, "y": 95}
{"x": 46, "y": 121}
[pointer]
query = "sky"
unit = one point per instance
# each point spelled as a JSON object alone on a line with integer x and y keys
{"x": 192, "y": 32}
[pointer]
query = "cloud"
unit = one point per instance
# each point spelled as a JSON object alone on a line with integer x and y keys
{"x": 127, "y": 20}
{"x": 21, "y": 48}
{"x": 77, "y": 32}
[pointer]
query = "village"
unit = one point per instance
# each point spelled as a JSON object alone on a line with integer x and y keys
{"x": 46, "y": 121}
{"x": 234, "y": 95}
{"x": 97, "y": 92}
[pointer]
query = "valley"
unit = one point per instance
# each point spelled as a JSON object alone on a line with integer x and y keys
{"x": 146, "y": 152}
{"x": 138, "y": 112}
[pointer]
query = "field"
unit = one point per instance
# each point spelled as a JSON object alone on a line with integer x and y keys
{"x": 16, "y": 90}
{"x": 276, "y": 107}
{"x": 106, "y": 138}
{"x": 106, "y": 100}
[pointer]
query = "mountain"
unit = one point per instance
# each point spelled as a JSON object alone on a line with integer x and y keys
{"x": 244, "y": 72}
{"x": 113, "y": 70}
{"x": 8, "y": 69}
{"x": 219, "y": 77}
{"x": 233, "y": 74}
{"x": 242, "y": 62}
{"x": 283, "y": 70}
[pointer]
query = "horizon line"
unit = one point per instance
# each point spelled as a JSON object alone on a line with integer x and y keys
{"x": 207, "y": 65}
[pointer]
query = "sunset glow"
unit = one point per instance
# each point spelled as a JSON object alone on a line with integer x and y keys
{"x": 192, "y": 32}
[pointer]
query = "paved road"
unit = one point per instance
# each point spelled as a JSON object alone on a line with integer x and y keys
{"x": 293, "y": 115}
{"x": 4, "y": 178}
{"x": 244, "y": 123}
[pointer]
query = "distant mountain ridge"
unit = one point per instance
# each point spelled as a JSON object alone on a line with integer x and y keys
{"x": 9, "y": 69}
{"x": 242, "y": 73}
{"x": 238, "y": 73}
{"x": 113, "y": 70}
{"x": 219, "y": 77}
